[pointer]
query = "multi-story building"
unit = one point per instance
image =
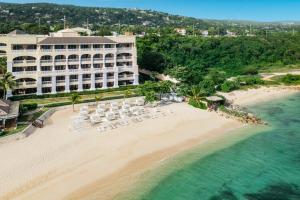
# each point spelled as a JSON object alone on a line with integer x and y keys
{"x": 65, "y": 62}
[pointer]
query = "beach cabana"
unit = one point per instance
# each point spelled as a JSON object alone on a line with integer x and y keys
{"x": 9, "y": 112}
{"x": 213, "y": 102}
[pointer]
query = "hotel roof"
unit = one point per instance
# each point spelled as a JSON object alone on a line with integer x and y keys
{"x": 77, "y": 40}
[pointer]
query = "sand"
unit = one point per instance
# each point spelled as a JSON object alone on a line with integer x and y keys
{"x": 56, "y": 163}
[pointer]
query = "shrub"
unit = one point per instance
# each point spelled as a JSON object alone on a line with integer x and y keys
{"x": 197, "y": 104}
{"x": 27, "y": 107}
{"x": 291, "y": 79}
{"x": 229, "y": 86}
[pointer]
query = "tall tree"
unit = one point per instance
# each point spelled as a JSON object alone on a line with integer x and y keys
{"x": 7, "y": 82}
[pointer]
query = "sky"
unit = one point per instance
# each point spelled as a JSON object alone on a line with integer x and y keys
{"x": 257, "y": 10}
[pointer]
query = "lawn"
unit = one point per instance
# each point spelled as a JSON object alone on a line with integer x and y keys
{"x": 46, "y": 101}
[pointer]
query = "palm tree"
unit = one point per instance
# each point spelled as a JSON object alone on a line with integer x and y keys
{"x": 127, "y": 94}
{"x": 196, "y": 93}
{"x": 3, "y": 65}
{"x": 74, "y": 99}
{"x": 7, "y": 82}
{"x": 98, "y": 98}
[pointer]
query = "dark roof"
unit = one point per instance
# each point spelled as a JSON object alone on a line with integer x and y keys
{"x": 77, "y": 40}
{"x": 17, "y": 32}
{"x": 10, "y": 109}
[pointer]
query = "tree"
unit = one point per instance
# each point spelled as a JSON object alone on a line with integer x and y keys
{"x": 127, "y": 94}
{"x": 150, "y": 97}
{"x": 164, "y": 87}
{"x": 146, "y": 87}
{"x": 74, "y": 99}
{"x": 98, "y": 98}
{"x": 229, "y": 86}
{"x": 195, "y": 97}
{"x": 3, "y": 65}
{"x": 7, "y": 82}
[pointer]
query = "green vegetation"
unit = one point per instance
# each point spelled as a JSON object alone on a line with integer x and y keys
{"x": 88, "y": 93}
{"x": 74, "y": 99}
{"x": 288, "y": 79}
{"x": 190, "y": 59}
{"x": 229, "y": 86}
{"x": 27, "y": 107}
{"x": 20, "y": 128}
{"x": 150, "y": 97}
{"x": 44, "y": 17}
{"x": 7, "y": 81}
{"x": 195, "y": 98}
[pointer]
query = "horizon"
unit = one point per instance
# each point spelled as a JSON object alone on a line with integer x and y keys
{"x": 199, "y": 10}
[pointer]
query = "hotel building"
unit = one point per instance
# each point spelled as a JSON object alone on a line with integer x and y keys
{"x": 65, "y": 62}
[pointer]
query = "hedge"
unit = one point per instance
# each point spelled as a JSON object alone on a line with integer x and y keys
{"x": 86, "y": 101}
{"x": 27, "y": 107}
{"x": 34, "y": 96}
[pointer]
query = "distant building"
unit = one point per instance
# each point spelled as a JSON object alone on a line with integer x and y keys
{"x": 81, "y": 30}
{"x": 205, "y": 33}
{"x": 230, "y": 34}
{"x": 146, "y": 23}
{"x": 66, "y": 61}
{"x": 181, "y": 31}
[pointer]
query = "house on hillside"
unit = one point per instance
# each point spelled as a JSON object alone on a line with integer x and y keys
{"x": 181, "y": 31}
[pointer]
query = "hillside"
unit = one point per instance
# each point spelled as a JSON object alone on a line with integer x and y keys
{"x": 77, "y": 16}
{"x": 50, "y": 17}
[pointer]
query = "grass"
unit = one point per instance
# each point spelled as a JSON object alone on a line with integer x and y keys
{"x": 67, "y": 99}
{"x": 19, "y": 128}
{"x": 279, "y": 68}
{"x": 32, "y": 117}
{"x": 24, "y": 118}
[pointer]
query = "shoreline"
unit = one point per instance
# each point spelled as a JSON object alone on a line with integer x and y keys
{"x": 54, "y": 164}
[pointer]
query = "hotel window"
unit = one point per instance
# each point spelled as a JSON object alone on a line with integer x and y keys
{"x": 60, "y": 47}
{"x": 84, "y": 46}
{"x": 46, "y": 68}
{"x": 60, "y": 67}
{"x": 73, "y": 66}
{"x": 46, "y": 79}
{"x": 97, "y": 46}
{"x": 72, "y": 46}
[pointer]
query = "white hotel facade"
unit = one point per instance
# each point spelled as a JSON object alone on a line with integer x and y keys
{"x": 65, "y": 62}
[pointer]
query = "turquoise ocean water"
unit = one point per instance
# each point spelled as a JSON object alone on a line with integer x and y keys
{"x": 265, "y": 166}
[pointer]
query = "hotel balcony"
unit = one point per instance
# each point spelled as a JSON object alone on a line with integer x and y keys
{"x": 29, "y": 84}
{"x": 60, "y": 60}
{"x": 24, "y": 62}
{"x": 124, "y": 58}
{"x": 47, "y": 83}
{"x": 21, "y": 73}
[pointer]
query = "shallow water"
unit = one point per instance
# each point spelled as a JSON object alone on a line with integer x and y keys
{"x": 265, "y": 166}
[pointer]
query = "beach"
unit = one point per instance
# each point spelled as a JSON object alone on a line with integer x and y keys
{"x": 55, "y": 163}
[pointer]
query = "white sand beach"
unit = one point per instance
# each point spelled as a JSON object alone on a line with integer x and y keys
{"x": 55, "y": 163}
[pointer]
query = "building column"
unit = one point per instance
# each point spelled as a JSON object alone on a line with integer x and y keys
{"x": 9, "y": 66}
{"x": 116, "y": 77}
{"x": 104, "y": 83}
{"x": 136, "y": 79}
{"x": 38, "y": 66}
{"x": 8, "y": 94}
{"x": 67, "y": 86}
{"x": 93, "y": 81}
{"x": 53, "y": 80}
{"x": 80, "y": 82}
{"x": 39, "y": 86}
